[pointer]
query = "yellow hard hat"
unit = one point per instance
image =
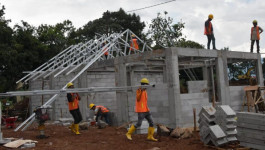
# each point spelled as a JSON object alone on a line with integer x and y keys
{"x": 133, "y": 35}
{"x": 69, "y": 84}
{"x": 255, "y": 21}
{"x": 210, "y": 16}
{"x": 91, "y": 105}
{"x": 145, "y": 80}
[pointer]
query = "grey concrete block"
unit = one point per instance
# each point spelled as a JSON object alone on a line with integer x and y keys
{"x": 250, "y": 115}
{"x": 225, "y": 110}
{"x": 251, "y": 120}
{"x": 217, "y": 132}
{"x": 251, "y": 140}
{"x": 251, "y": 145}
{"x": 208, "y": 110}
{"x": 251, "y": 126}
{"x": 251, "y": 134}
{"x": 231, "y": 139}
{"x": 66, "y": 120}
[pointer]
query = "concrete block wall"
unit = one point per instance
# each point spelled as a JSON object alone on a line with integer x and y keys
{"x": 157, "y": 102}
{"x": 190, "y": 101}
{"x": 107, "y": 99}
{"x": 38, "y": 100}
{"x": 60, "y": 105}
{"x": 236, "y": 97}
{"x": 197, "y": 86}
{"x": 154, "y": 78}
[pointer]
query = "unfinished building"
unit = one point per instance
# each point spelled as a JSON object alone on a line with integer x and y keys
{"x": 162, "y": 67}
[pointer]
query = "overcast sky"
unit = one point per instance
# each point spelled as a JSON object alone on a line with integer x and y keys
{"x": 232, "y": 18}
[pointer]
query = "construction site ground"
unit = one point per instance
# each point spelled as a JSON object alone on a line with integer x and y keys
{"x": 109, "y": 138}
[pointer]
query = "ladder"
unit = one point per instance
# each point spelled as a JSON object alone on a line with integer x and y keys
{"x": 72, "y": 58}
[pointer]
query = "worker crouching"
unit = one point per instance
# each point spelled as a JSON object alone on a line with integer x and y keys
{"x": 100, "y": 112}
{"x": 143, "y": 112}
{"x": 73, "y": 104}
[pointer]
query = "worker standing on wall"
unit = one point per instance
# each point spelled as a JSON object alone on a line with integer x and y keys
{"x": 255, "y": 35}
{"x": 208, "y": 31}
{"x": 143, "y": 112}
{"x": 73, "y": 101}
{"x": 100, "y": 112}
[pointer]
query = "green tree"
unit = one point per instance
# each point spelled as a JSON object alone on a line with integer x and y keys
{"x": 57, "y": 37}
{"x": 163, "y": 33}
{"x": 6, "y": 50}
{"x": 112, "y": 22}
{"x": 188, "y": 43}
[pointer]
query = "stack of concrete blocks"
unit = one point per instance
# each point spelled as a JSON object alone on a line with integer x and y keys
{"x": 213, "y": 134}
{"x": 206, "y": 116}
{"x": 217, "y": 126}
{"x": 251, "y": 130}
{"x": 209, "y": 132}
{"x": 225, "y": 118}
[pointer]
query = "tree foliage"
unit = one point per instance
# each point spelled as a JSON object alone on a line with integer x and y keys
{"x": 112, "y": 22}
{"x": 166, "y": 34}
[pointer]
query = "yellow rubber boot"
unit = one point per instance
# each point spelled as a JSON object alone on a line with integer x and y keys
{"x": 77, "y": 129}
{"x": 150, "y": 136}
{"x": 130, "y": 132}
{"x": 72, "y": 127}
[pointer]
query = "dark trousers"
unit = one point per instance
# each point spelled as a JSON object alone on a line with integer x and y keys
{"x": 76, "y": 115}
{"x": 252, "y": 44}
{"x": 106, "y": 116}
{"x": 211, "y": 38}
{"x": 147, "y": 116}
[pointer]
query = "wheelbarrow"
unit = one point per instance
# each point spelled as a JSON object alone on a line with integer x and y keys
{"x": 10, "y": 121}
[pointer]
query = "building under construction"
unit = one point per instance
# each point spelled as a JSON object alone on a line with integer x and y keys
{"x": 86, "y": 66}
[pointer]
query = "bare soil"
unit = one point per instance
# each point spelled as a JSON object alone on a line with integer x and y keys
{"x": 61, "y": 138}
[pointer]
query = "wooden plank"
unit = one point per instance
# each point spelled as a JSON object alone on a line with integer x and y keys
{"x": 17, "y": 143}
{"x": 251, "y": 88}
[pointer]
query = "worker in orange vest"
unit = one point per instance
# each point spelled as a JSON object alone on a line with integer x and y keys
{"x": 100, "y": 112}
{"x": 106, "y": 53}
{"x": 208, "y": 31}
{"x": 73, "y": 101}
{"x": 134, "y": 44}
{"x": 255, "y": 35}
{"x": 143, "y": 112}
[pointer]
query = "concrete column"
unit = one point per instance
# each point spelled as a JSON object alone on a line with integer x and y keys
{"x": 122, "y": 100}
{"x": 51, "y": 87}
{"x": 82, "y": 83}
{"x": 259, "y": 71}
{"x": 223, "y": 91}
{"x": 205, "y": 73}
{"x": 173, "y": 88}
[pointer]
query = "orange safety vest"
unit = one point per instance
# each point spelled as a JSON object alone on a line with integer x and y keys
{"x": 103, "y": 109}
{"x": 74, "y": 104}
{"x": 141, "y": 101}
{"x": 106, "y": 53}
{"x": 209, "y": 28}
{"x": 257, "y": 32}
{"x": 134, "y": 45}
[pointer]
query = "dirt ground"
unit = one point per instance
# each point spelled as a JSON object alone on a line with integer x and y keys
{"x": 109, "y": 138}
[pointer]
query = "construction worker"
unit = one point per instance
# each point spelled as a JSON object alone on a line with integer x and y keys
{"x": 143, "y": 112}
{"x": 100, "y": 112}
{"x": 134, "y": 43}
{"x": 208, "y": 31}
{"x": 73, "y": 101}
{"x": 106, "y": 53}
{"x": 255, "y": 35}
